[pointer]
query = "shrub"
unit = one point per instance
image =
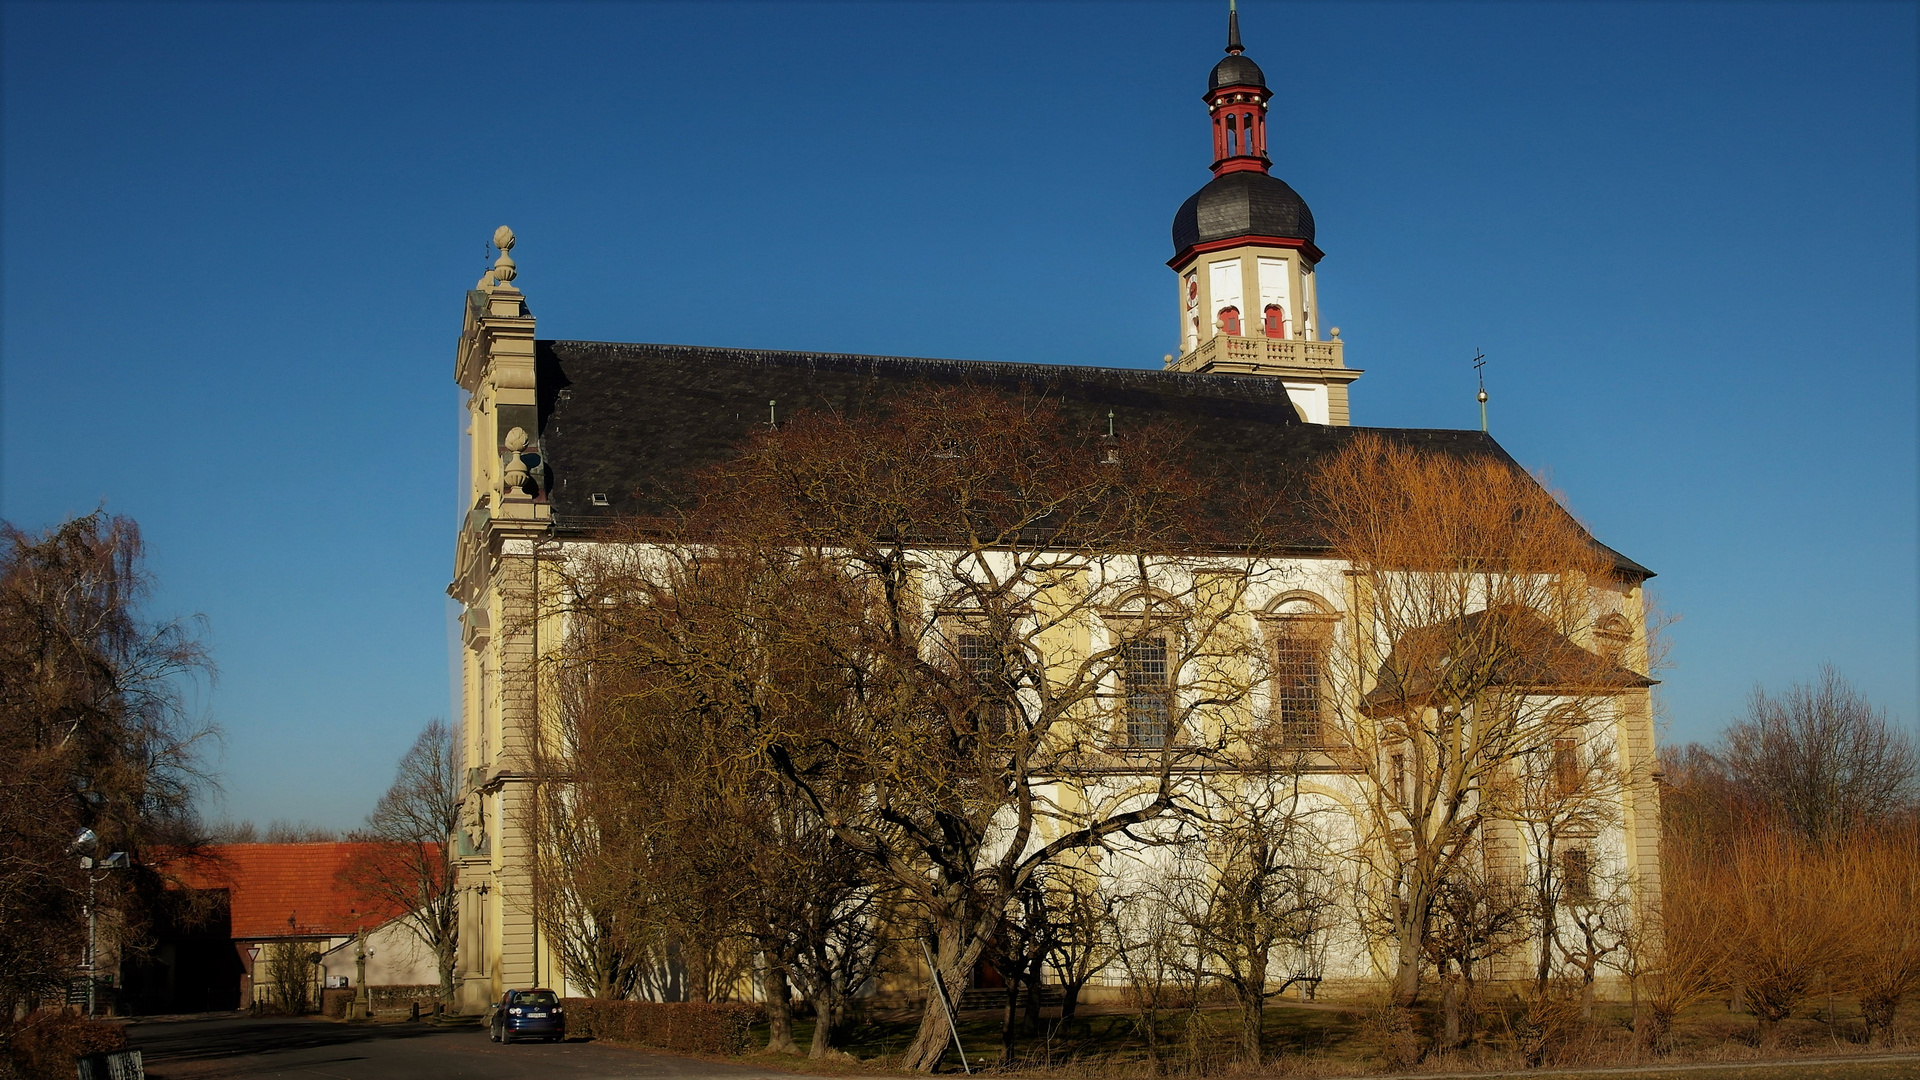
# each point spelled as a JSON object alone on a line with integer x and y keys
{"x": 45, "y": 1045}
{"x": 689, "y": 1027}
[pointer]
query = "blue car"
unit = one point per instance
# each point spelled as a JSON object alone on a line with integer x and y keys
{"x": 528, "y": 1014}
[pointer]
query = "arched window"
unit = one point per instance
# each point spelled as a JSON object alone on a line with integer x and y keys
{"x": 1300, "y": 627}
{"x": 1276, "y": 321}
{"x": 1612, "y": 634}
{"x": 1230, "y": 320}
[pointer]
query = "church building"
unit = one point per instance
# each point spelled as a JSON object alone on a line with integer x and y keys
{"x": 564, "y": 437}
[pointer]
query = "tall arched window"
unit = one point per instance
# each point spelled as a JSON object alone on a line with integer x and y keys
{"x": 1276, "y": 321}
{"x": 1230, "y": 320}
{"x": 1300, "y": 628}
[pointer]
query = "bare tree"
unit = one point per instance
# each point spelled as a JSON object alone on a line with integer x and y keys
{"x": 97, "y": 731}
{"x": 1262, "y": 881}
{"x": 1471, "y": 587}
{"x": 1821, "y": 758}
{"x": 1477, "y": 915}
{"x": 1021, "y": 598}
{"x": 1678, "y": 948}
{"x": 1558, "y": 800}
{"x": 409, "y": 863}
{"x": 1783, "y": 936}
{"x": 1876, "y": 894}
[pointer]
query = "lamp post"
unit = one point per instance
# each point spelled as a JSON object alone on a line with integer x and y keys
{"x": 85, "y": 845}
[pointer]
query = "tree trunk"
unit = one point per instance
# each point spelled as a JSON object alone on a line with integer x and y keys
{"x": 696, "y": 973}
{"x": 952, "y": 962}
{"x": 779, "y": 1007}
{"x": 1450, "y": 1002}
{"x": 1070, "y": 999}
{"x": 930, "y": 1042}
{"x": 448, "y": 959}
{"x": 1406, "y": 975}
{"x": 1007, "y": 1021}
{"x": 1253, "y": 1006}
{"x": 1659, "y": 1028}
{"x": 1877, "y": 1010}
{"x": 822, "y": 1023}
{"x": 1253, "y": 1016}
{"x": 1035, "y": 973}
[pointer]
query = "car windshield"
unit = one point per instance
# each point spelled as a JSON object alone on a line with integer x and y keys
{"x": 535, "y": 997}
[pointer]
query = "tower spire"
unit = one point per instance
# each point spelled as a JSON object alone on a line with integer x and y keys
{"x": 1233, "y": 29}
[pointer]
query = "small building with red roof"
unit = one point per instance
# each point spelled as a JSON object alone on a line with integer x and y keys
{"x": 301, "y": 893}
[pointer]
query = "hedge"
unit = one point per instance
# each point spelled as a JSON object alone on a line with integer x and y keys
{"x": 689, "y": 1027}
{"x": 45, "y": 1045}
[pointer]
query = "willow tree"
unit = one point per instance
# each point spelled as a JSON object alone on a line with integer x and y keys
{"x": 1471, "y": 590}
{"x": 97, "y": 734}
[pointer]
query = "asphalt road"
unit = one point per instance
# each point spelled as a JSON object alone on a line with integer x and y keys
{"x": 229, "y": 1045}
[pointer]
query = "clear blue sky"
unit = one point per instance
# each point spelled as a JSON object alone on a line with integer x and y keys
{"x": 237, "y": 239}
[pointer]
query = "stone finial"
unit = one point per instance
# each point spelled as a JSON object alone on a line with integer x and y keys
{"x": 503, "y": 269}
{"x": 515, "y": 469}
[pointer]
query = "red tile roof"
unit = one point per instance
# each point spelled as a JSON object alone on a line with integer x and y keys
{"x": 286, "y": 890}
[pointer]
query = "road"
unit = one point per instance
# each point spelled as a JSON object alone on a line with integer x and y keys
{"x": 231, "y": 1045}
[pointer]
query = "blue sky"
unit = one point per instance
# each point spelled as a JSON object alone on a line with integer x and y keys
{"x": 237, "y": 238}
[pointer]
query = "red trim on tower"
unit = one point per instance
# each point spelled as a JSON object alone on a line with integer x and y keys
{"x": 1187, "y": 255}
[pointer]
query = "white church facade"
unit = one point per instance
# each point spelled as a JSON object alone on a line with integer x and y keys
{"x": 565, "y": 438}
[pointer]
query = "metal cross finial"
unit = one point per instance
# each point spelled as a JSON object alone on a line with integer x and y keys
{"x": 1479, "y": 371}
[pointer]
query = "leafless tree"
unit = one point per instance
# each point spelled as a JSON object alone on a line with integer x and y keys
{"x": 1821, "y": 757}
{"x": 98, "y": 732}
{"x": 1678, "y": 949}
{"x": 1477, "y": 915}
{"x": 408, "y": 864}
{"x": 1020, "y": 599}
{"x": 1262, "y": 880}
{"x": 1471, "y": 589}
{"x": 1874, "y": 890}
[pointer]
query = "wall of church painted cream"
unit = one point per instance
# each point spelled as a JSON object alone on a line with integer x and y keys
{"x": 503, "y": 544}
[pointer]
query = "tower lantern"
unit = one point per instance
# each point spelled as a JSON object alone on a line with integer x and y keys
{"x": 1244, "y": 255}
{"x": 1237, "y": 97}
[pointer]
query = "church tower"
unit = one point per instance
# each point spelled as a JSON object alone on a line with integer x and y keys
{"x": 1244, "y": 256}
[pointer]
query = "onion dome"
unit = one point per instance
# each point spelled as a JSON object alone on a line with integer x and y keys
{"x": 1235, "y": 70}
{"x": 1242, "y": 204}
{"x": 1243, "y": 199}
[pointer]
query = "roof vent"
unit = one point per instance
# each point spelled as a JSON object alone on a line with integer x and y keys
{"x": 598, "y": 498}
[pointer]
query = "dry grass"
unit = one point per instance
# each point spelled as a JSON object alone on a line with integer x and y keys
{"x": 1709, "y": 1043}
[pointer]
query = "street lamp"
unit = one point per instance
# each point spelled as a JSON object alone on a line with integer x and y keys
{"x": 85, "y": 845}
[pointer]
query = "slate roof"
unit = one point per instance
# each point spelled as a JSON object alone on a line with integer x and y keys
{"x": 1527, "y": 654}
{"x": 634, "y": 422}
{"x": 285, "y": 890}
{"x": 1248, "y": 203}
{"x": 1235, "y": 70}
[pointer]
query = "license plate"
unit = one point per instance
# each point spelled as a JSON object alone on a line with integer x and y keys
{"x": 536, "y": 1016}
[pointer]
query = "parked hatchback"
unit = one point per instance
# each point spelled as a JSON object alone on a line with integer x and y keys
{"x": 527, "y": 1014}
